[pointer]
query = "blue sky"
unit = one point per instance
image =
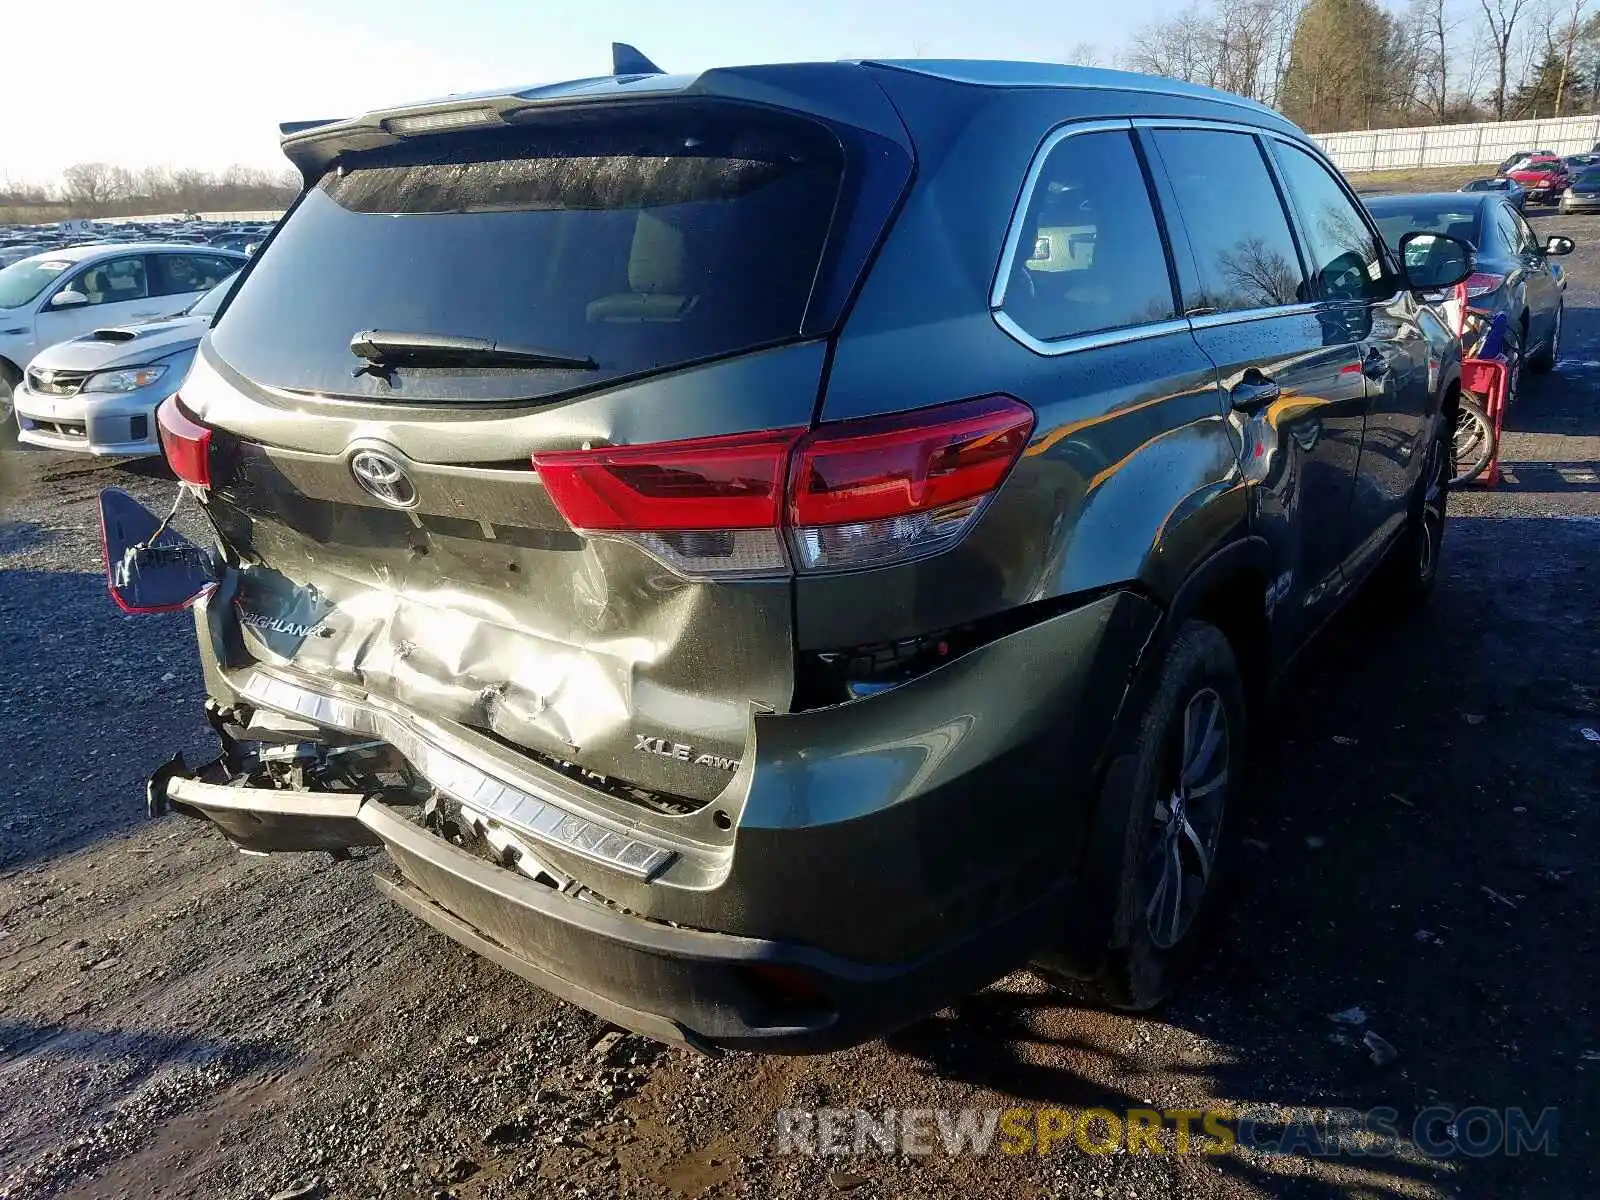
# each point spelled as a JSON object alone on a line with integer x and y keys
{"x": 204, "y": 82}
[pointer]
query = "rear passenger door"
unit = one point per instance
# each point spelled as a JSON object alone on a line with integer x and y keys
{"x": 1356, "y": 287}
{"x": 1291, "y": 366}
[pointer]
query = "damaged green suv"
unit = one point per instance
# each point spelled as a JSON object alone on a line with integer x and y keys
{"x": 769, "y": 552}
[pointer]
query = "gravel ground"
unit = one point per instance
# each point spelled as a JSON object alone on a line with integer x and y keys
{"x": 180, "y": 1021}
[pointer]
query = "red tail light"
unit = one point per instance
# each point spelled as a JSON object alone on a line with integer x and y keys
{"x": 185, "y": 442}
{"x": 859, "y": 493}
{"x": 1481, "y": 283}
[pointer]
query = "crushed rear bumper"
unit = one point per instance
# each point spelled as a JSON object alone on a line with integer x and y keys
{"x": 882, "y": 858}
{"x": 685, "y": 986}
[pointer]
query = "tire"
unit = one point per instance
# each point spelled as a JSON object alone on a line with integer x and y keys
{"x": 1157, "y": 933}
{"x": 1407, "y": 578}
{"x": 1545, "y": 360}
{"x": 8, "y": 420}
{"x": 1472, "y": 443}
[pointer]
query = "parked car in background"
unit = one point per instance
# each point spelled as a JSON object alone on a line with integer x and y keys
{"x": 1543, "y": 176}
{"x": 57, "y": 295}
{"x": 733, "y": 610}
{"x": 1583, "y": 193}
{"x": 1513, "y": 192}
{"x": 1513, "y": 271}
{"x": 97, "y": 393}
{"x": 1577, "y": 162}
{"x": 1520, "y": 157}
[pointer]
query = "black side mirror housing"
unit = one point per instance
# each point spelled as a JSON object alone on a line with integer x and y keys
{"x": 1558, "y": 244}
{"x": 1433, "y": 261}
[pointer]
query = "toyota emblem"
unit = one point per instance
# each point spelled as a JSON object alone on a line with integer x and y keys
{"x": 384, "y": 478}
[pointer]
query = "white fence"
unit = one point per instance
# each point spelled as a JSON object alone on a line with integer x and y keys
{"x": 1457, "y": 145}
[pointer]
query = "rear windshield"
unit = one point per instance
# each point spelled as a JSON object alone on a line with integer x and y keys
{"x": 639, "y": 243}
{"x": 1396, "y": 222}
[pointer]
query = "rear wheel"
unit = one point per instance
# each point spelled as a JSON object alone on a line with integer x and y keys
{"x": 1408, "y": 576}
{"x": 1174, "y": 854}
{"x": 1545, "y": 360}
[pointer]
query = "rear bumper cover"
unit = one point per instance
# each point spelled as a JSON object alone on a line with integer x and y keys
{"x": 897, "y": 852}
{"x": 685, "y": 986}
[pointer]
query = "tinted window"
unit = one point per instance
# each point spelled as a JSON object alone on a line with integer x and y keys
{"x": 1398, "y": 217}
{"x": 1527, "y": 242}
{"x": 1235, "y": 220}
{"x": 114, "y": 281}
{"x": 640, "y": 241}
{"x": 1342, "y": 253}
{"x": 1510, "y": 235}
{"x": 1090, "y": 257}
{"x": 177, "y": 273}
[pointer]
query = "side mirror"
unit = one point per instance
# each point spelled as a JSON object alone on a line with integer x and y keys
{"x": 149, "y": 568}
{"x": 68, "y": 298}
{"x": 1557, "y": 244}
{"x": 1434, "y": 260}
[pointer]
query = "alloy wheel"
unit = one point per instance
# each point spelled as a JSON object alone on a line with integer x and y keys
{"x": 1187, "y": 825}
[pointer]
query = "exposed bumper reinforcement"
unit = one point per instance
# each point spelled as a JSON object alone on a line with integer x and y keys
{"x": 684, "y": 986}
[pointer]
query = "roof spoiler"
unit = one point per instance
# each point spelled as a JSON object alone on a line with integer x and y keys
{"x": 626, "y": 60}
{"x": 285, "y": 128}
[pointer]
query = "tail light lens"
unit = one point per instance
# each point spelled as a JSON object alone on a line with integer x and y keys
{"x": 859, "y": 493}
{"x": 185, "y": 442}
{"x": 863, "y": 492}
{"x": 1481, "y": 284}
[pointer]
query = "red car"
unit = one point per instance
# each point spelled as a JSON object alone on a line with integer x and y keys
{"x": 1544, "y": 177}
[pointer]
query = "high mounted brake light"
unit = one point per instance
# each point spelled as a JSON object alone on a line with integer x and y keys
{"x": 185, "y": 442}
{"x": 850, "y": 494}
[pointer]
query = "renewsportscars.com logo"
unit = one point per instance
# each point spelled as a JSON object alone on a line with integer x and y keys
{"x": 1436, "y": 1132}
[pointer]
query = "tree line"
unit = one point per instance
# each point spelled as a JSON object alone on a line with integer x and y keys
{"x": 98, "y": 189}
{"x": 1331, "y": 65}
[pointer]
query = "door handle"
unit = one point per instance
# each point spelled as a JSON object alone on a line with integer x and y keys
{"x": 1375, "y": 365}
{"x": 1254, "y": 392}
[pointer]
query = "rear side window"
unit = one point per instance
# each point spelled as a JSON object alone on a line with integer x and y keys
{"x": 1090, "y": 256}
{"x": 640, "y": 242}
{"x": 1343, "y": 254}
{"x": 179, "y": 273}
{"x": 1237, "y": 229}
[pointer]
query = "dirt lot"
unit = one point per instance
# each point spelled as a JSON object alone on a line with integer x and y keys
{"x": 180, "y": 1021}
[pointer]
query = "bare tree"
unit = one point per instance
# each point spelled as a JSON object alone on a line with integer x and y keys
{"x": 88, "y": 186}
{"x": 1085, "y": 54}
{"x": 1501, "y": 17}
{"x": 1569, "y": 35}
{"x": 1434, "y": 29}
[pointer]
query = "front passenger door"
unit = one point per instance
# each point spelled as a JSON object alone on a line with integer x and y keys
{"x": 1356, "y": 287}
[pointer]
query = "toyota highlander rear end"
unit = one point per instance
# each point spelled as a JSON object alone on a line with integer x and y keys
{"x": 540, "y": 564}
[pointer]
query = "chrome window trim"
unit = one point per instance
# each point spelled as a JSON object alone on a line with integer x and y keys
{"x": 1132, "y": 333}
{"x": 1008, "y": 252}
{"x": 1242, "y": 315}
{"x": 1088, "y": 341}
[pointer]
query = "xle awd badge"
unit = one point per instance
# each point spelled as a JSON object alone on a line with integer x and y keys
{"x": 646, "y": 744}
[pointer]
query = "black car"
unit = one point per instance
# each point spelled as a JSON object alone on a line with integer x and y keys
{"x": 770, "y": 551}
{"x": 1513, "y": 272}
{"x": 1583, "y": 193}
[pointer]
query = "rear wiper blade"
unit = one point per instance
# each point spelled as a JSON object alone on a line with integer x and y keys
{"x": 388, "y": 348}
